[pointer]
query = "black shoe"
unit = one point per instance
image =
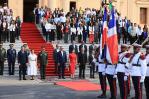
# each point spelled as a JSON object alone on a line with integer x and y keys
{"x": 20, "y": 79}
{"x": 101, "y": 96}
{"x": 64, "y": 78}
{"x": 24, "y": 78}
{"x": 59, "y": 77}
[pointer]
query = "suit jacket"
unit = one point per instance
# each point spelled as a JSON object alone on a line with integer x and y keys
{"x": 71, "y": 48}
{"x": 82, "y": 58}
{"x": 3, "y": 55}
{"x": 55, "y": 56}
{"x": 91, "y": 48}
{"x": 62, "y": 59}
{"x": 22, "y": 57}
{"x": 11, "y": 55}
{"x": 85, "y": 48}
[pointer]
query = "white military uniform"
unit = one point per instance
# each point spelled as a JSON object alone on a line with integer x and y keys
{"x": 138, "y": 66}
{"x": 101, "y": 65}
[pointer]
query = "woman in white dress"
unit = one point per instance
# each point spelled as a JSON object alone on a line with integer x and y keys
{"x": 32, "y": 65}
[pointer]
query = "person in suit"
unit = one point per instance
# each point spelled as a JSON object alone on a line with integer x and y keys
{"x": 11, "y": 57}
{"x": 22, "y": 60}
{"x": 83, "y": 46}
{"x": 74, "y": 47}
{"x": 56, "y": 58}
{"x": 91, "y": 48}
{"x": 82, "y": 59}
{"x": 2, "y": 58}
{"x": 62, "y": 59}
{"x": 43, "y": 61}
{"x": 92, "y": 62}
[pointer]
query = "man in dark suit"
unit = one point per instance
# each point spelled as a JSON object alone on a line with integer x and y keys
{"x": 11, "y": 57}
{"x": 55, "y": 57}
{"x": 91, "y": 48}
{"x": 22, "y": 60}
{"x": 72, "y": 47}
{"x": 82, "y": 59}
{"x": 83, "y": 46}
{"x": 43, "y": 61}
{"x": 2, "y": 58}
{"x": 62, "y": 59}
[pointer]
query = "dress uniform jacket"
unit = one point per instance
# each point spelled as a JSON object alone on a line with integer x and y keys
{"x": 138, "y": 66}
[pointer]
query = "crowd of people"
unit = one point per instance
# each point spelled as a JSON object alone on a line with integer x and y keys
{"x": 86, "y": 25}
{"x": 9, "y": 27}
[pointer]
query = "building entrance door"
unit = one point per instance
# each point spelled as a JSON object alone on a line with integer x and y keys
{"x": 2, "y": 2}
{"x": 28, "y": 8}
{"x": 72, "y": 5}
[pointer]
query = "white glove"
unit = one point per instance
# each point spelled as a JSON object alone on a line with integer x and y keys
{"x": 103, "y": 73}
{"x": 142, "y": 79}
{"x": 115, "y": 76}
{"x": 125, "y": 78}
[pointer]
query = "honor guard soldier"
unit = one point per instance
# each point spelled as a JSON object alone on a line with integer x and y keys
{"x": 11, "y": 57}
{"x": 146, "y": 82}
{"x": 2, "y": 58}
{"x": 102, "y": 76}
{"x": 121, "y": 70}
{"x": 43, "y": 61}
{"x": 111, "y": 76}
{"x": 137, "y": 67}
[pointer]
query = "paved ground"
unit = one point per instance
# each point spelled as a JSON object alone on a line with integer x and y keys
{"x": 12, "y": 88}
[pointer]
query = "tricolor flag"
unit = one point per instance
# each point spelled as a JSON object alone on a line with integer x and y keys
{"x": 112, "y": 42}
{"x": 103, "y": 42}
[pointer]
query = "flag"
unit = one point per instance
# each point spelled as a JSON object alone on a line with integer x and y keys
{"x": 112, "y": 42}
{"x": 103, "y": 41}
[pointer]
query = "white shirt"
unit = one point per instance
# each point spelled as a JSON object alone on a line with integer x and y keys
{"x": 48, "y": 26}
{"x": 12, "y": 27}
{"x": 73, "y": 30}
{"x": 147, "y": 60}
{"x": 80, "y": 30}
{"x": 63, "y": 19}
{"x": 101, "y": 65}
{"x": 91, "y": 30}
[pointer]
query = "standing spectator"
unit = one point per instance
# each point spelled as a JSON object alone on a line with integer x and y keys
{"x": 12, "y": 29}
{"x": 43, "y": 61}
{"x": 74, "y": 47}
{"x": 85, "y": 32}
{"x": 91, "y": 33}
{"x": 62, "y": 59}
{"x": 133, "y": 35}
{"x": 91, "y": 48}
{"x": 18, "y": 27}
{"x": 32, "y": 65}
{"x": 139, "y": 33}
{"x": 22, "y": 60}
{"x": 11, "y": 57}
{"x": 5, "y": 30}
{"x": 59, "y": 31}
{"x": 48, "y": 26}
{"x": 130, "y": 30}
{"x": 73, "y": 33}
{"x": 66, "y": 32}
{"x": 55, "y": 57}
{"x": 82, "y": 59}
{"x": 96, "y": 32}
{"x": 84, "y": 47}
{"x": 72, "y": 62}
{"x": 146, "y": 82}
{"x": 37, "y": 14}
{"x": 80, "y": 32}
{"x": 2, "y": 58}
{"x": 92, "y": 63}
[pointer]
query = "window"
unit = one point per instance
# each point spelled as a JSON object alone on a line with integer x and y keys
{"x": 143, "y": 15}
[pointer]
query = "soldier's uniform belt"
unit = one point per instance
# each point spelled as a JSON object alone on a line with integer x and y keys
{"x": 121, "y": 63}
{"x": 101, "y": 62}
{"x": 137, "y": 65}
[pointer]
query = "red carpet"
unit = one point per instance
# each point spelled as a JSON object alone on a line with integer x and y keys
{"x": 81, "y": 85}
{"x": 31, "y": 35}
